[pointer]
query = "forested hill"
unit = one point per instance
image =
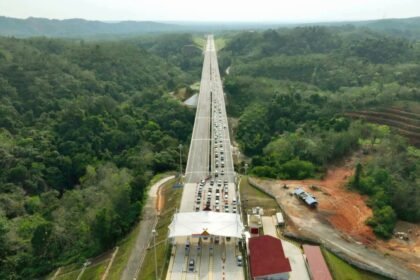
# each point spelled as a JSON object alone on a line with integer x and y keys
{"x": 407, "y": 27}
{"x": 77, "y": 28}
{"x": 290, "y": 88}
{"x": 83, "y": 127}
{"x": 32, "y": 27}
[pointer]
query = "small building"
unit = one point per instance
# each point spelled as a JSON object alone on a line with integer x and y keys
{"x": 254, "y": 220}
{"x": 267, "y": 259}
{"x": 315, "y": 262}
{"x": 309, "y": 199}
{"x": 279, "y": 219}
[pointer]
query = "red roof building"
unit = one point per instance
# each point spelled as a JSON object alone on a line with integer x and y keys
{"x": 267, "y": 259}
{"x": 318, "y": 269}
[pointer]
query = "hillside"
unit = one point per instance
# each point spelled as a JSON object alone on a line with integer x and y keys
{"x": 408, "y": 27}
{"x": 70, "y": 28}
{"x": 83, "y": 128}
{"x": 405, "y": 123}
{"x": 293, "y": 91}
{"x": 32, "y": 27}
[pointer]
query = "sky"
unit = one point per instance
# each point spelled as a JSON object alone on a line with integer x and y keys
{"x": 214, "y": 10}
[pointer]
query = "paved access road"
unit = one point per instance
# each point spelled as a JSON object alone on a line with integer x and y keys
{"x": 148, "y": 220}
{"x": 209, "y": 184}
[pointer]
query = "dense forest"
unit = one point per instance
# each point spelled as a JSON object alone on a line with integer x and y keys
{"x": 289, "y": 90}
{"x": 85, "y": 125}
{"x": 83, "y": 128}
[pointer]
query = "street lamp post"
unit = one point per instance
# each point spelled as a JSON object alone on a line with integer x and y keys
{"x": 154, "y": 248}
{"x": 180, "y": 160}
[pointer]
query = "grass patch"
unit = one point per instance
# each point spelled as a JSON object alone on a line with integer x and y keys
{"x": 121, "y": 259}
{"x": 195, "y": 86}
{"x": 220, "y": 43}
{"x": 69, "y": 275}
{"x": 200, "y": 41}
{"x": 341, "y": 270}
{"x": 95, "y": 271}
{"x": 252, "y": 197}
{"x": 172, "y": 199}
{"x": 160, "y": 176}
{"x": 68, "y": 268}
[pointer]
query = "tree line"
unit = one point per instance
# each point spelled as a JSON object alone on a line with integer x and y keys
{"x": 83, "y": 128}
{"x": 289, "y": 90}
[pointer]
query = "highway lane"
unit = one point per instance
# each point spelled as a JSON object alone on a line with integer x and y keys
{"x": 211, "y": 109}
{"x": 209, "y": 182}
{"x": 198, "y": 156}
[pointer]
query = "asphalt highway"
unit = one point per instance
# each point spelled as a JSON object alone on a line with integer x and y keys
{"x": 210, "y": 122}
{"x": 209, "y": 184}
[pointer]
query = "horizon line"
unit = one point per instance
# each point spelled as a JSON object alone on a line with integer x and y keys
{"x": 217, "y": 21}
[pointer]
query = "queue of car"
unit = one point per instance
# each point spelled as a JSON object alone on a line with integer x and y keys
{"x": 212, "y": 194}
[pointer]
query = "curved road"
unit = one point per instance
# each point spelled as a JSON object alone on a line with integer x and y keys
{"x": 148, "y": 220}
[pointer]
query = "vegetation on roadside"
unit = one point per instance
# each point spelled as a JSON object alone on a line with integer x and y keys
{"x": 391, "y": 179}
{"x": 83, "y": 128}
{"x": 172, "y": 199}
{"x": 291, "y": 89}
{"x": 182, "y": 50}
{"x": 252, "y": 197}
{"x": 341, "y": 270}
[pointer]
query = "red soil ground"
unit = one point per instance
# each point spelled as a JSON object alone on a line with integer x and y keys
{"x": 344, "y": 209}
{"x": 160, "y": 200}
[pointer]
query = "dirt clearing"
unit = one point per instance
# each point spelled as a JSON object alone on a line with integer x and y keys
{"x": 345, "y": 210}
{"x": 340, "y": 220}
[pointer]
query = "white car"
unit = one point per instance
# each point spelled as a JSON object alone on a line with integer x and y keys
{"x": 239, "y": 260}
